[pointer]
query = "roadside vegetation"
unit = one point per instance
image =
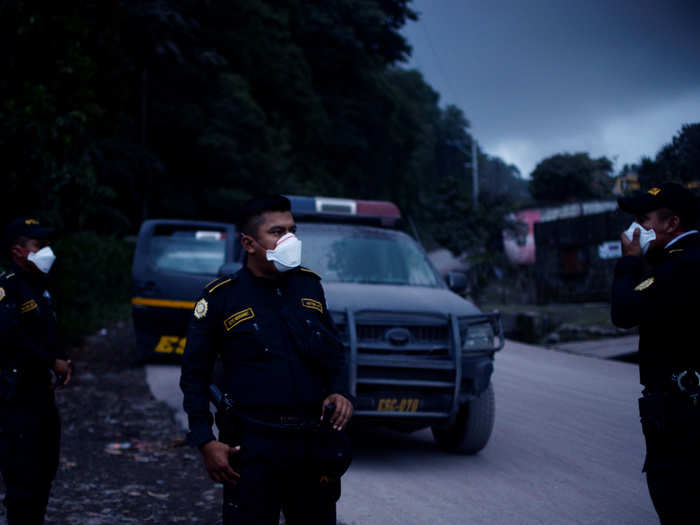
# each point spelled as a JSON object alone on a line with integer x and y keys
{"x": 115, "y": 112}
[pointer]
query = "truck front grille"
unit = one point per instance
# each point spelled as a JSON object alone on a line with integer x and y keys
{"x": 419, "y": 334}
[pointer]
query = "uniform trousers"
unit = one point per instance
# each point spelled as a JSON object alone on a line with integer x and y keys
{"x": 29, "y": 454}
{"x": 674, "y": 491}
{"x": 672, "y": 466}
{"x": 277, "y": 474}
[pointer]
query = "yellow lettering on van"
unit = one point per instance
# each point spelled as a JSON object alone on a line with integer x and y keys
{"x": 166, "y": 344}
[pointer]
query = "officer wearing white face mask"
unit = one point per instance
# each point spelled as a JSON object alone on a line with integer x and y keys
{"x": 282, "y": 363}
{"x": 657, "y": 287}
{"x": 31, "y": 367}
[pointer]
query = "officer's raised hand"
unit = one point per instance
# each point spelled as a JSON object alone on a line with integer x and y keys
{"x": 217, "y": 460}
{"x": 343, "y": 410}
{"x": 633, "y": 247}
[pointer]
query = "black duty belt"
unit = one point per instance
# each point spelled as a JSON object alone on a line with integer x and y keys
{"x": 272, "y": 419}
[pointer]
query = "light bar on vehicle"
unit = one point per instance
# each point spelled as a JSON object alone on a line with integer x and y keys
{"x": 203, "y": 235}
{"x": 385, "y": 212}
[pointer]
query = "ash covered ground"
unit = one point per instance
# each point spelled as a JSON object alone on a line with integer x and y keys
{"x": 123, "y": 459}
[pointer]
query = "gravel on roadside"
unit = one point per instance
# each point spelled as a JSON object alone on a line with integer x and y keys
{"x": 123, "y": 459}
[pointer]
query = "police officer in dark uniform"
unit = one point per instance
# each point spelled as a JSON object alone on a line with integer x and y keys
{"x": 282, "y": 363}
{"x": 31, "y": 367}
{"x": 657, "y": 287}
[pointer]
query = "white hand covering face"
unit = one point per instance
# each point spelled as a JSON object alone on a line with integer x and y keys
{"x": 645, "y": 236}
{"x": 287, "y": 253}
{"x": 42, "y": 259}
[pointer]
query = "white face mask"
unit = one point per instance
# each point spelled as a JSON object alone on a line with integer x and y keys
{"x": 42, "y": 259}
{"x": 287, "y": 253}
{"x": 645, "y": 236}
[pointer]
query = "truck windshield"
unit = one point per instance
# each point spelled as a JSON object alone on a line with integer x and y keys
{"x": 193, "y": 252}
{"x": 362, "y": 254}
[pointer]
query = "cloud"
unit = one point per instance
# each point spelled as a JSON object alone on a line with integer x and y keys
{"x": 538, "y": 78}
{"x": 622, "y": 138}
{"x": 648, "y": 131}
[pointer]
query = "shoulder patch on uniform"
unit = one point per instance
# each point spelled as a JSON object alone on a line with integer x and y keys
{"x": 238, "y": 318}
{"x": 302, "y": 269}
{"x": 218, "y": 283}
{"x": 201, "y": 308}
{"x": 2, "y": 293}
{"x": 28, "y": 306}
{"x": 312, "y": 303}
{"x": 644, "y": 284}
{"x": 676, "y": 250}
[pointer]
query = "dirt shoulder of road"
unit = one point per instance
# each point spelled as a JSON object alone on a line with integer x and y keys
{"x": 123, "y": 459}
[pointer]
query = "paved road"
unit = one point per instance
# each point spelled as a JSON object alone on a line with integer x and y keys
{"x": 567, "y": 448}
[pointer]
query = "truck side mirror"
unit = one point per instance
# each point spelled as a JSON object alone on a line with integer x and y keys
{"x": 456, "y": 281}
{"x": 229, "y": 268}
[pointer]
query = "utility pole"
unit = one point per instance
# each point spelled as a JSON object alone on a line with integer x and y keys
{"x": 473, "y": 164}
{"x": 475, "y": 174}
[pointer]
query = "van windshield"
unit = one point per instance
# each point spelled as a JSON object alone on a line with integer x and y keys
{"x": 362, "y": 254}
{"x": 192, "y": 252}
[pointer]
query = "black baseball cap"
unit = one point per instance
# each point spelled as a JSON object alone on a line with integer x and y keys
{"x": 668, "y": 195}
{"x": 27, "y": 227}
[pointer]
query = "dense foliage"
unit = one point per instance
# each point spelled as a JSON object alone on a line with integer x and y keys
{"x": 678, "y": 161}
{"x": 567, "y": 177}
{"x": 117, "y": 111}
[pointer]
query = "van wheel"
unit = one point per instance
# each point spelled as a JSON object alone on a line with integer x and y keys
{"x": 472, "y": 427}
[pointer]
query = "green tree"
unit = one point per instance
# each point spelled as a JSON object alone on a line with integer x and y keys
{"x": 677, "y": 161}
{"x": 570, "y": 177}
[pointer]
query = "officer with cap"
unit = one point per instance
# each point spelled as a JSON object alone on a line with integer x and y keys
{"x": 657, "y": 287}
{"x": 283, "y": 364}
{"x": 31, "y": 367}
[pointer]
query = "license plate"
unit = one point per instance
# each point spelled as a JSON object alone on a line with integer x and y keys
{"x": 398, "y": 404}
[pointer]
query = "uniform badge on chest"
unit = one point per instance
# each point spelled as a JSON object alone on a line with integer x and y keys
{"x": 313, "y": 304}
{"x": 644, "y": 284}
{"x": 238, "y": 318}
{"x": 28, "y": 306}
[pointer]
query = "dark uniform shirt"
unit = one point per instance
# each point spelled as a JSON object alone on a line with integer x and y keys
{"x": 28, "y": 333}
{"x": 663, "y": 302}
{"x": 276, "y": 341}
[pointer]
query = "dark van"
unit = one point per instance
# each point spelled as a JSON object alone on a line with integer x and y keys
{"x": 420, "y": 355}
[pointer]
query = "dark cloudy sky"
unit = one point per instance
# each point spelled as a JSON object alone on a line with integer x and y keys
{"x": 537, "y": 77}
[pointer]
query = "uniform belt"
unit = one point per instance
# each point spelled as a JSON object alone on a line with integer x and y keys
{"x": 277, "y": 419}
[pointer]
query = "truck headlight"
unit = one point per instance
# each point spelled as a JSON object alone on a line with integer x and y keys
{"x": 478, "y": 336}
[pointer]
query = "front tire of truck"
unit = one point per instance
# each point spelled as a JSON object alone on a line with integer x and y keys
{"x": 472, "y": 427}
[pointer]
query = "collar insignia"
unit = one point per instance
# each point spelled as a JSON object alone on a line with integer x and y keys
{"x": 238, "y": 318}
{"x": 654, "y": 191}
{"x": 313, "y": 304}
{"x": 644, "y": 284}
{"x": 201, "y": 309}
